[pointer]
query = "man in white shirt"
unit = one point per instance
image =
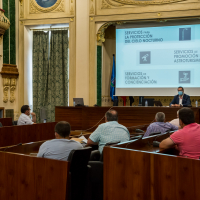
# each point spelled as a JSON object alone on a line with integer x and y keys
{"x": 24, "y": 118}
{"x": 175, "y": 121}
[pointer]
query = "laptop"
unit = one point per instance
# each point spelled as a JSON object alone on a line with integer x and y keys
{"x": 78, "y": 101}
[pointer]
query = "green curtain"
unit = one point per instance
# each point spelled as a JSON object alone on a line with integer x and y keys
{"x": 54, "y": 90}
{"x": 40, "y": 70}
{"x": 58, "y": 72}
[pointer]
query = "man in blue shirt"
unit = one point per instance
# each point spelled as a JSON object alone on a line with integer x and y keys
{"x": 160, "y": 125}
{"x": 110, "y": 131}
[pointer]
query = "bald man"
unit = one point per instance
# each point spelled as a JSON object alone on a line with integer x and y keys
{"x": 110, "y": 131}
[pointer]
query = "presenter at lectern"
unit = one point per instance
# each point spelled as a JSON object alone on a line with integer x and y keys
{"x": 181, "y": 99}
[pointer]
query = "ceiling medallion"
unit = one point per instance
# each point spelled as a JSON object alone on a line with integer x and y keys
{"x": 45, "y": 5}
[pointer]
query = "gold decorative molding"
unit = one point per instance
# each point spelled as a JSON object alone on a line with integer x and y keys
{"x": 61, "y": 7}
{"x": 92, "y": 10}
{"x": 101, "y": 31}
{"x": 35, "y": 8}
{"x": 161, "y": 20}
{"x": 13, "y": 83}
{"x": 9, "y": 71}
{"x": 21, "y": 14}
{"x": 119, "y": 3}
{"x": 105, "y": 5}
{"x": 6, "y": 85}
{"x": 1, "y": 39}
{"x": 21, "y": 9}
{"x": 21, "y": 2}
{"x": 9, "y": 74}
{"x": 4, "y": 22}
{"x": 72, "y": 11}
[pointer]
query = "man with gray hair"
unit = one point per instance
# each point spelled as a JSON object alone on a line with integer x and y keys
{"x": 111, "y": 131}
{"x": 160, "y": 125}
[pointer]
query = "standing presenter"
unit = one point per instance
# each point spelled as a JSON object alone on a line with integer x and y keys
{"x": 181, "y": 99}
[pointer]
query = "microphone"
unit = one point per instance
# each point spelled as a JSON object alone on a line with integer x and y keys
{"x": 13, "y": 146}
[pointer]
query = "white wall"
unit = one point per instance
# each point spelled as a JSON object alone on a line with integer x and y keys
{"x": 28, "y": 46}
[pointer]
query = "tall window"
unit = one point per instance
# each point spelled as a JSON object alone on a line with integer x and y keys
{"x": 50, "y": 71}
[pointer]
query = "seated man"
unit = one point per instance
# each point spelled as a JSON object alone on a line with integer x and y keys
{"x": 59, "y": 148}
{"x": 24, "y": 118}
{"x": 188, "y": 138}
{"x": 110, "y": 131}
{"x": 175, "y": 121}
{"x": 160, "y": 125}
{"x": 180, "y": 99}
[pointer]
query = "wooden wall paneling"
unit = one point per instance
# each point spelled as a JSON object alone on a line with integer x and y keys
{"x": 185, "y": 178}
{"x": 85, "y": 116}
{"x": 6, "y": 136}
{"x": 24, "y": 177}
{"x": 73, "y": 115}
{"x": 13, "y": 135}
{"x": 28, "y": 133}
{"x": 95, "y": 115}
{"x": 26, "y": 148}
{"x": 82, "y": 118}
{"x": 3, "y": 177}
{"x": 6, "y": 121}
{"x": 196, "y": 174}
{"x": 17, "y": 135}
{"x": 126, "y": 174}
{"x": 26, "y": 185}
{"x": 12, "y": 176}
{"x": 164, "y": 177}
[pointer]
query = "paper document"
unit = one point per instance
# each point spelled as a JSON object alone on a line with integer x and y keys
{"x": 84, "y": 139}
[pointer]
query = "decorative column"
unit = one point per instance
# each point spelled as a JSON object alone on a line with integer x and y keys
{"x": 6, "y": 85}
{"x": 13, "y": 83}
{"x": 9, "y": 74}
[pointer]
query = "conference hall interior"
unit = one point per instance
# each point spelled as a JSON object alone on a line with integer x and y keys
{"x": 99, "y": 99}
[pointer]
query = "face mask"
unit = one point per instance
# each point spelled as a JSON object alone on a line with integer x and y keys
{"x": 180, "y": 93}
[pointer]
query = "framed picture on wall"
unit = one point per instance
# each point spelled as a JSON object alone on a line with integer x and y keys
{"x": 46, "y": 3}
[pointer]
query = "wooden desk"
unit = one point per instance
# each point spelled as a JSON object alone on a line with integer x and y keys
{"x": 82, "y": 118}
{"x": 135, "y": 173}
{"x": 25, "y": 177}
{"x": 13, "y": 135}
{"x": 6, "y": 121}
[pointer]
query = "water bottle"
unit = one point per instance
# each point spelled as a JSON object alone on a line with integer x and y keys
{"x": 146, "y": 103}
{"x": 196, "y": 103}
{"x": 74, "y": 103}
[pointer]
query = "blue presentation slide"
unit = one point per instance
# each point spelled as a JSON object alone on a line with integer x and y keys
{"x": 158, "y": 57}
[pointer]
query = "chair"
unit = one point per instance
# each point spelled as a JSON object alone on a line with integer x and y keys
{"x": 96, "y": 179}
{"x": 136, "y": 137}
{"x": 95, "y": 155}
{"x": 108, "y": 144}
{"x": 14, "y": 123}
{"x": 154, "y": 133}
{"x": 78, "y": 174}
